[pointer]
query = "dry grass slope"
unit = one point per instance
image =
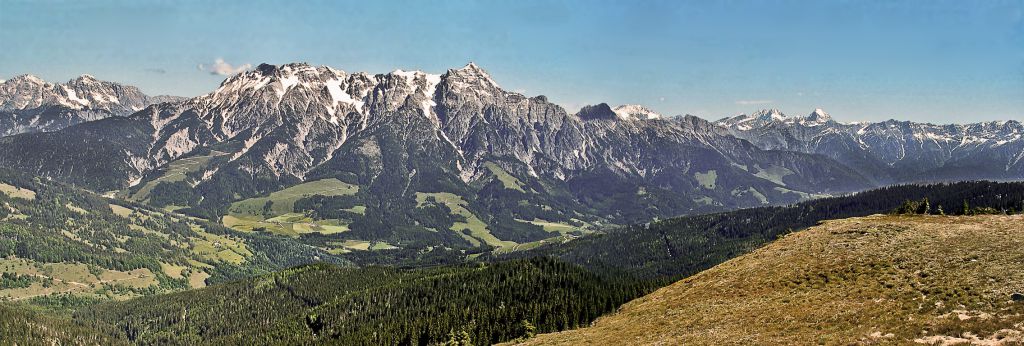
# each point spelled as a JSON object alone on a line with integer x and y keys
{"x": 870, "y": 280}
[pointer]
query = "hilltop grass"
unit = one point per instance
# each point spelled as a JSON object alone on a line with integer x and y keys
{"x": 877, "y": 279}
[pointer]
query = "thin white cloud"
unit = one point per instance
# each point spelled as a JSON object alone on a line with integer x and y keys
{"x": 754, "y": 102}
{"x": 221, "y": 67}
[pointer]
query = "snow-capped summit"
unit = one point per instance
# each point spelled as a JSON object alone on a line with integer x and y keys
{"x": 324, "y": 92}
{"x": 628, "y": 112}
{"x": 766, "y": 115}
{"x": 819, "y": 115}
{"x": 757, "y": 119}
{"x": 84, "y": 92}
{"x": 471, "y": 76}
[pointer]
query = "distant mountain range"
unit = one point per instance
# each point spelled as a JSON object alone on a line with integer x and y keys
{"x": 893, "y": 151}
{"x": 30, "y": 104}
{"x": 502, "y": 168}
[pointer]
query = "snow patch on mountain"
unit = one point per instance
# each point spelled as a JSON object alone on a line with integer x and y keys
{"x": 630, "y": 112}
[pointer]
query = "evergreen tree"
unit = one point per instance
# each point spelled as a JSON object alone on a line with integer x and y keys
{"x": 529, "y": 330}
{"x": 925, "y": 207}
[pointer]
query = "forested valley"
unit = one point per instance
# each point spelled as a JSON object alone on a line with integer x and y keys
{"x": 462, "y": 297}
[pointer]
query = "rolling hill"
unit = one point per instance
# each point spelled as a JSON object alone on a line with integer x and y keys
{"x": 869, "y": 280}
{"x": 676, "y": 247}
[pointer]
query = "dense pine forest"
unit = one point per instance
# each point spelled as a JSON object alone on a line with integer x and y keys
{"x": 478, "y": 304}
{"x": 22, "y": 325}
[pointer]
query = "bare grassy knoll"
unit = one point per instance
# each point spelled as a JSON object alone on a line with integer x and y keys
{"x": 876, "y": 279}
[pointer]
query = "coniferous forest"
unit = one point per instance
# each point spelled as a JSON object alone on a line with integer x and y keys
{"x": 482, "y": 303}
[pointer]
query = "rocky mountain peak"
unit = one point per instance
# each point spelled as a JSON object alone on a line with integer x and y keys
{"x": 817, "y": 117}
{"x": 769, "y": 115}
{"x": 26, "y": 79}
{"x": 599, "y": 111}
{"x": 818, "y": 114}
{"x": 629, "y": 112}
{"x": 85, "y": 78}
{"x": 84, "y": 92}
{"x": 470, "y": 75}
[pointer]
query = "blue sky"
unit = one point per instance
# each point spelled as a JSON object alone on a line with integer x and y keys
{"x": 937, "y": 61}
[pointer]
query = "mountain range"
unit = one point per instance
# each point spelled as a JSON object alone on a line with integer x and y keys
{"x": 893, "y": 151}
{"x": 457, "y": 160}
{"x": 30, "y": 104}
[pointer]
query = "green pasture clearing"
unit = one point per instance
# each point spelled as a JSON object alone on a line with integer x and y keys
{"x": 773, "y": 173}
{"x": 707, "y": 180}
{"x": 120, "y": 210}
{"x": 284, "y": 200}
{"x": 552, "y": 227}
{"x": 73, "y": 278}
{"x": 477, "y": 228}
{"x": 249, "y": 214}
{"x": 753, "y": 192}
{"x": 75, "y": 208}
{"x": 506, "y": 179}
{"x": 17, "y": 192}
{"x": 359, "y": 209}
{"x": 175, "y": 171}
{"x": 172, "y": 270}
{"x": 219, "y": 247}
{"x": 290, "y": 224}
{"x": 533, "y": 244}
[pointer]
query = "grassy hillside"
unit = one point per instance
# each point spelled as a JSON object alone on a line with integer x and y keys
{"x": 63, "y": 244}
{"x": 677, "y": 247}
{"x": 877, "y": 279}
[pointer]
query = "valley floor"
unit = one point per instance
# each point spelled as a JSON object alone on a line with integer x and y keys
{"x": 876, "y": 279}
